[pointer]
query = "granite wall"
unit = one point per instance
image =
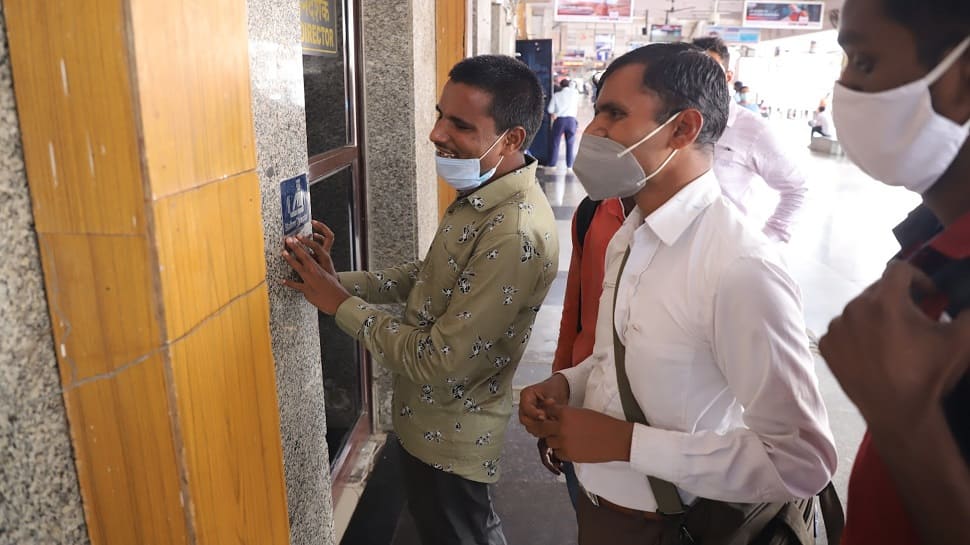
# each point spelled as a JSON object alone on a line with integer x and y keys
{"x": 39, "y": 497}
{"x": 276, "y": 68}
{"x": 399, "y": 112}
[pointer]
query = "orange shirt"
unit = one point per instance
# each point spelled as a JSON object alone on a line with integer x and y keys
{"x": 584, "y": 286}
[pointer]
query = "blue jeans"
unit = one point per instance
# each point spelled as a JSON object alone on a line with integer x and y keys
{"x": 572, "y": 483}
{"x": 563, "y": 126}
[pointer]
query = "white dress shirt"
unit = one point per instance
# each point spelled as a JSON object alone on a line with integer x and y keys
{"x": 748, "y": 151}
{"x": 564, "y": 103}
{"x": 717, "y": 357}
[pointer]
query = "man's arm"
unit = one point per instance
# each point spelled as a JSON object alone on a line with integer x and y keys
{"x": 553, "y": 109}
{"x": 388, "y": 286}
{"x": 382, "y": 287}
{"x": 897, "y": 366}
{"x": 773, "y": 164}
{"x": 457, "y": 345}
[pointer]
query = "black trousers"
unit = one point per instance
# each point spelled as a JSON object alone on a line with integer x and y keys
{"x": 448, "y": 509}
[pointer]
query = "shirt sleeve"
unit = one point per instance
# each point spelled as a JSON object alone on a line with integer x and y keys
{"x": 555, "y": 106}
{"x": 569, "y": 323}
{"x": 787, "y": 447}
{"x": 773, "y": 163}
{"x": 383, "y": 287}
{"x": 500, "y": 285}
{"x": 577, "y": 377}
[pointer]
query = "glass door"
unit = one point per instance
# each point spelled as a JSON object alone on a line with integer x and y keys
{"x": 331, "y": 64}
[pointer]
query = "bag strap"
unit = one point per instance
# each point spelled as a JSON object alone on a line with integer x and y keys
{"x": 668, "y": 499}
{"x": 832, "y": 513}
{"x": 584, "y": 219}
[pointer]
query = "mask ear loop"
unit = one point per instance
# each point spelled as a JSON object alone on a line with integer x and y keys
{"x": 649, "y": 135}
{"x": 947, "y": 62}
{"x": 490, "y": 148}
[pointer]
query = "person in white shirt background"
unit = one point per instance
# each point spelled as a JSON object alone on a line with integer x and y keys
{"x": 822, "y": 122}
{"x": 564, "y": 107}
{"x": 717, "y": 357}
{"x": 749, "y": 152}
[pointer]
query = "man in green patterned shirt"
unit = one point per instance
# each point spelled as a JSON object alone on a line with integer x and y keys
{"x": 470, "y": 304}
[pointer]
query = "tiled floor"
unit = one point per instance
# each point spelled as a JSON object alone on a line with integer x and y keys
{"x": 840, "y": 246}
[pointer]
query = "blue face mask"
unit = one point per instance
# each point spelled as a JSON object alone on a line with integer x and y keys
{"x": 466, "y": 174}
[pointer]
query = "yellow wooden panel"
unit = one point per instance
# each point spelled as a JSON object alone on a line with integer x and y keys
{"x": 192, "y": 61}
{"x": 226, "y": 392}
{"x": 99, "y": 292}
{"x": 126, "y": 458}
{"x": 210, "y": 249}
{"x": 74, "y": 101}
{"x": 450, "y": 50}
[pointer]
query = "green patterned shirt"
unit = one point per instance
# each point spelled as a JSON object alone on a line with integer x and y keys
{"x": 470, "y": 306}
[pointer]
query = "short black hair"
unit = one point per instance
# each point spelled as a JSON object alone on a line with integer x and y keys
{"x": 683, "y": 77}
{"x": 821, "y": 108}
{"x": 517, "y": 99}
{"x": 713, "y": 44}
{"x": 564, "y": 82}
{"x": 937, "y": 25}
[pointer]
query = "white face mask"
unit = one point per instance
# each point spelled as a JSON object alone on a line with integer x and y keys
{"x": 466, "y": 174}
{"x": 608, "y": 170}
{"x": 896, "y": 136}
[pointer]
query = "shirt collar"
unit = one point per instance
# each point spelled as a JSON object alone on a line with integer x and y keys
{"x": 677, "y": 214}
{"x": 922, "y": 229}
{"x": 941, "y": 253}
{"x": 500, "y": 190}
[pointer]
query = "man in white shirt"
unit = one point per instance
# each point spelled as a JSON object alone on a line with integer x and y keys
{"x": 749, "y": 151}
{"x": 822, "y": 123}
{"x": 563, "y": 108}
{"x": 716, "y": 353}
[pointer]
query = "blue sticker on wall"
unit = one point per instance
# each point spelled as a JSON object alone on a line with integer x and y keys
{"x": 295, "y": 197}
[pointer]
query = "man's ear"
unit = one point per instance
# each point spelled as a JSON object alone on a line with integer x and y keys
{"x": 514, "y": 139}
{"x": 687, "y": 127}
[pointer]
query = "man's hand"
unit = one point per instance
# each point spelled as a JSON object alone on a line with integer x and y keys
{"x": 582, "y": 435}
{"x": 894, "y": 362}
{"x": 320, "y": 242}
{"x": 532, "y": 401}
{"x": 320, "y": 285}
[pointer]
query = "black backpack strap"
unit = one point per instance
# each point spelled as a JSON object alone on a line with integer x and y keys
{"x": 832, "y": 513}
{"x": 584, "y": 218}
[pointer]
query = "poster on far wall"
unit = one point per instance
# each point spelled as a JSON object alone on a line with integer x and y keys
{"x": 594, "y": 11}
{"x": 791, "y": 15}
{"x": 734, "y": 34}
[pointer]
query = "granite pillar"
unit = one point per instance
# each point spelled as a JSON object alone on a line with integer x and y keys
{"x": 276, "y": 68}
{"x": 399, "y": 101}
{"x": 39, "y": 497}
